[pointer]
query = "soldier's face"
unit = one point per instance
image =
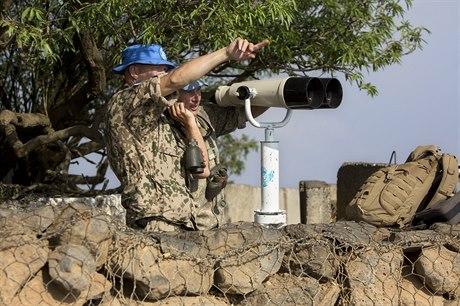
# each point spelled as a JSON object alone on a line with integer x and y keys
{"x": 191, "y": 99}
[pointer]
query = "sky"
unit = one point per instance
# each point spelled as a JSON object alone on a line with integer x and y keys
{"x": 418, "y": 104}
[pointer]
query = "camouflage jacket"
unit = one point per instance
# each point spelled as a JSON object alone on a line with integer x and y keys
{"x": 146, "y": 153}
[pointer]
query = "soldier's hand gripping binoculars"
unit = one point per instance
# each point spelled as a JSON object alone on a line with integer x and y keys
{"x": 289, "y": 93}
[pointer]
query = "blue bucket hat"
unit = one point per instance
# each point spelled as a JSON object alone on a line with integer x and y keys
{"x": 143, "y": 54}
{"x": 194, "y": 85}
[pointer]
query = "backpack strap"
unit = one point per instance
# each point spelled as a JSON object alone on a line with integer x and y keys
{"x": 422, "y": 151}
{"x": 448, "y": 181}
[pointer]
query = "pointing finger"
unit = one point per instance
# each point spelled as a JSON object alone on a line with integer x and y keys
{"x": 260, "y": 45}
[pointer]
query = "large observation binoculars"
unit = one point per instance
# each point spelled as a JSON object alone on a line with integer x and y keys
{"x": 289, "y": 93}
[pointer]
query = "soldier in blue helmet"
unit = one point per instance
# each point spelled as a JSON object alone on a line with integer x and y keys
{"x": 149, "y": 126}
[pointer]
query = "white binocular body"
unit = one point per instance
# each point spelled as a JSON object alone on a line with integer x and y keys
{"x": 289, "y": 93}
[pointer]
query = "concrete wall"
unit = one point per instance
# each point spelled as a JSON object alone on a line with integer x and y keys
{"x": 313, "y": 202}
{"x": 243, "y": 200}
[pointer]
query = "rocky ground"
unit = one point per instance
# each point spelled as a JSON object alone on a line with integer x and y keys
{"x": 81, "y": 253}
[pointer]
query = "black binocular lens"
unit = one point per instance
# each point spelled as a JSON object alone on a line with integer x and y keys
{"x": 303, "y": 93}
{"x": 311, "y": 93}
{"x": 333, "y": 93}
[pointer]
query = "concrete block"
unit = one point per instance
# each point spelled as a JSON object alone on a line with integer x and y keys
{"x": 350, "y": 178}
{"x": 317, "y": 202}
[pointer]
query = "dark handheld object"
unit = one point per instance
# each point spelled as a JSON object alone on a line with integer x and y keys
{"x": 194, "y": 158}
{"x": 217, "y": 181}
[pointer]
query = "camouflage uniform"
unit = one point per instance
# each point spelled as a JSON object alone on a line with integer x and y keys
{"x": 146, "y": 153}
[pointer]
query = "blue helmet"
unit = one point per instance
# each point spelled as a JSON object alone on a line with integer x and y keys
{"x": 194, "y": 85}
{"x": 143, "y": 54}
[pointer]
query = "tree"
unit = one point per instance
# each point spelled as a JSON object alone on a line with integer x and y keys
{"x": 233, "y": 148}
{"x": 56, "y": 58}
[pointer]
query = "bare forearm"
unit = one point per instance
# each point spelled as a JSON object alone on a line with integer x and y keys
{"x": 238, "y": 50}
{"x": 192, "y": 70}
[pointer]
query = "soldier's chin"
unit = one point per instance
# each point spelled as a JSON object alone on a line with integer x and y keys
{"x": 194, "y": 110}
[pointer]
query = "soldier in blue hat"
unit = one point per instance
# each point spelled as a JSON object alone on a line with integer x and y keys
{"x": 151, "y": 123}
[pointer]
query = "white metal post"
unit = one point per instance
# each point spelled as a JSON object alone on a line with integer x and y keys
{"x": 269, "y": 213}
{"x": 269, "y": 172}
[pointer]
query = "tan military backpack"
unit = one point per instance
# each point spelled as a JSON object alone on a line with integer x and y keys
{"x": 392, "y": 195}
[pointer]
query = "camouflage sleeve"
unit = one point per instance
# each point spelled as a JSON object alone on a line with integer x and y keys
{"x": 148, "y": 94}
{"x": 143, "y": 106}
{"x": 132, "y": 115}
{"x": 225, "y": 119}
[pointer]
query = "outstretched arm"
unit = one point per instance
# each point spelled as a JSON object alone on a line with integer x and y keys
{"x": 238, "y": 50}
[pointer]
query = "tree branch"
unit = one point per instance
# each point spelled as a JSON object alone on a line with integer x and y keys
{"x": 60, "y": 135}
{"x": 4, "y": 40}
{"x": 90, "y": 90}
{"x": 95, "y": 64}
{"x": 9, "y": 121}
